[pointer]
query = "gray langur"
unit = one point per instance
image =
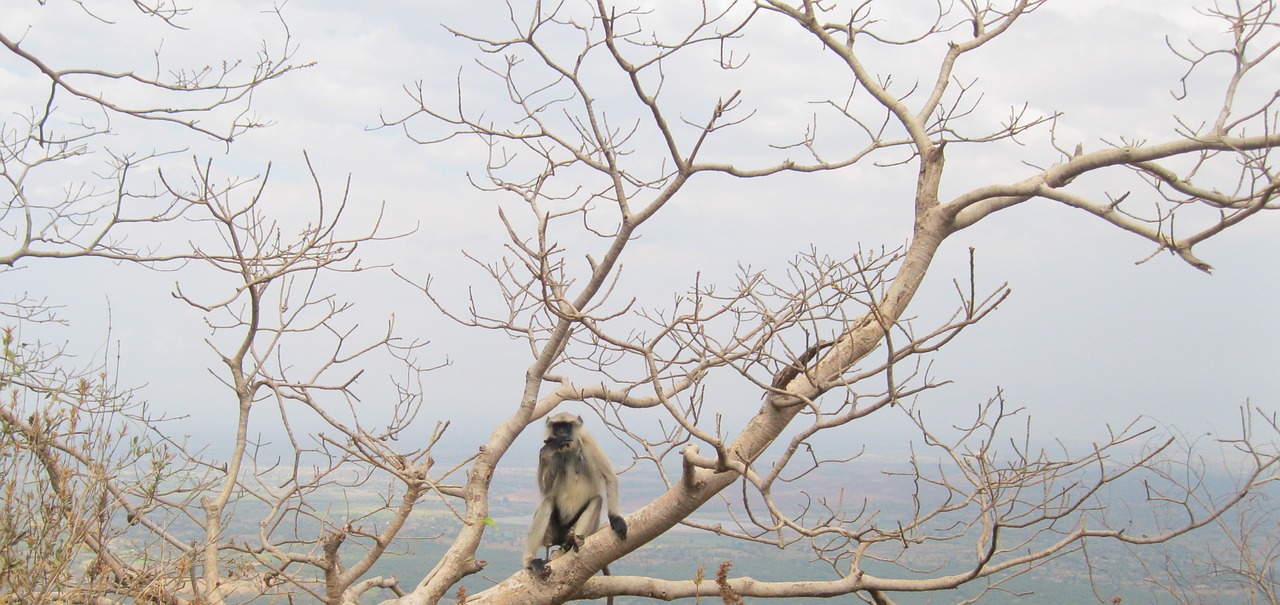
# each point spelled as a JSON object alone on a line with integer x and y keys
{"x": 576, "y": 480}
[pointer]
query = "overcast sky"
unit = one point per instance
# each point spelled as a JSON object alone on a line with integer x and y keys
{"x": 1088, "y": 337}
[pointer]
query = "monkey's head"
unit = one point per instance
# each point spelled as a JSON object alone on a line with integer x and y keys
{"x": 562, "y": 429}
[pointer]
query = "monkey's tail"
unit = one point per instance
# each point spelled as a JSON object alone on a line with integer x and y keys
{"x": 609, "y": 599}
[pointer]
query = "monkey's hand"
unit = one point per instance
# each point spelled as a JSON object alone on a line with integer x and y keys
{"x": 619, "y": 526}
{"x": 557, "y": 443}
{"x": 539, "y": 569}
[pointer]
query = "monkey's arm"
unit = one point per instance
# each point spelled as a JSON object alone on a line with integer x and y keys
{"x": 538, "y": 538}
{"x": 605, "y": 468}
{"x": 547, "y": 471}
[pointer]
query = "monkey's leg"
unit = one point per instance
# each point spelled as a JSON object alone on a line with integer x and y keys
{"x": 559, "y": 530}
{"x": 587, "y": 523}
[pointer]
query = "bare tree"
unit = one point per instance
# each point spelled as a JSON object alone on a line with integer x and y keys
{"x": 598, "y": 136}
{"x": 1241, "y": 562}
{"x": 101, "y": 503}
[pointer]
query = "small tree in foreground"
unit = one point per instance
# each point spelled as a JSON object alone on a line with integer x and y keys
{"x": 604, "y": 129}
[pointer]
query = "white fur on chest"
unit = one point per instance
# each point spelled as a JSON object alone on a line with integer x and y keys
{"x": 573, "y": 489}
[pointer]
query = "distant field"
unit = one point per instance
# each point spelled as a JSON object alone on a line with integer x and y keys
{"x": 677, "y": 555}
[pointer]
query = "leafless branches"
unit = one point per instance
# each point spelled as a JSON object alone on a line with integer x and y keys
{"x": 595, "y": 119}
{"x": 95, "y": 217}
{"x": 109, "y": 504}
{"x": 1215, "y": 175}
{"x": 197, "y": 91}
{"x": 593, "y": 145}
{"x": 284, "y": 343}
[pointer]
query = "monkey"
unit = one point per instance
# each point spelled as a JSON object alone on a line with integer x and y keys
{"x": 575, "y": 479}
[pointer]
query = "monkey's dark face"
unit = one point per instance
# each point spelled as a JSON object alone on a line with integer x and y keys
{"x": 560, "y": 434}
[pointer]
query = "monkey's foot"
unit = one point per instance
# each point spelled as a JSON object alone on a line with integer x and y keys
{"x": 539, "y": 569}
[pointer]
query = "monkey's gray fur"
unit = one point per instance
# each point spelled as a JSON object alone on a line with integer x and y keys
{"x": 576, "y": 480}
